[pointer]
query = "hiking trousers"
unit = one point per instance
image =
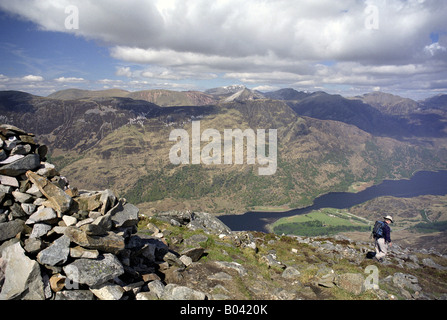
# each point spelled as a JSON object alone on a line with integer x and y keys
{"x": 381, "y": 248}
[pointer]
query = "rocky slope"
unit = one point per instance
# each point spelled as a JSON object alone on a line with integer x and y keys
{"x": 57, "y": 242}
{"x": 164, "y": 98}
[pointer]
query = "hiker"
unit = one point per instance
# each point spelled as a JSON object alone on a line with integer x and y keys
{"x": 382, "y": 237}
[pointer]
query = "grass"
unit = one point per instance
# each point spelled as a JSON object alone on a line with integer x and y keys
{"x": 326, "y": 221}
{"x": 306, "y": 258}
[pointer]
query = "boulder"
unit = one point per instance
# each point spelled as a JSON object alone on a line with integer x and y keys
{"x": 232, "y": 265}
{"x": 9, "y": 181}
{"x": 327, "y": 281}
{"x": 80, "y": 252}
{"x": 22, "y": 275}
{"x": 10, "y": 229}
{"x": 351, "y": 282}
{"x": 126, "y": 216}
{"x": 98, "y": 227}
{"x": 272, "y": 261}
{"x": 291, "y": 273}
{"x": 193, "y": 253}
{"x": 157, "y": 287}
{"x": 56, "y": 253}
{"x": 110, "y": 243}
{"x": 94, "y": 272}
{"x": 21, "y": 165}
{"x": 108, "y": 291}
{"x": 39, "y": 230}
{"x": 406, "y": 281}
{"x": 74, "y": 295}
{"x": 176, "y": 292}
{"x": 208, "y": 223}
{"x": 88, "y": 202}
{"x": 60, "y": 200}
{"x": 42, "y": 215}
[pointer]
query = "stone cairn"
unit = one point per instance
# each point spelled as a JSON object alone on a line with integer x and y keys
{"x": 57, "y": 242}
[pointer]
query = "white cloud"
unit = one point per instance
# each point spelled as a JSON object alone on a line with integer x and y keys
{"x": 266, "y": 88}
{"x": 434, "y": 48}
{"x": 124, "y": 72}
{"x": 110, "y": 81}
{"x": 32, "y": 78}
{"x": 264, "y": 43}
{"x": 69, "y": 80}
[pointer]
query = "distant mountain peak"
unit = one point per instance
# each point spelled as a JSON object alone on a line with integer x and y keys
{"x": 226, "y": 90}
{"x": 245, "y": 94}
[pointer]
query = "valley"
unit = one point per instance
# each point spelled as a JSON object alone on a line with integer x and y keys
{"x": 326, "y": 143}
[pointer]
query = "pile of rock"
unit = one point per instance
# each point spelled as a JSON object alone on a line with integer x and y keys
{"x": 57, "y": 242}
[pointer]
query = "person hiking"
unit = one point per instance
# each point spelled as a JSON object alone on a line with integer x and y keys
{"x": 381, "y": 233}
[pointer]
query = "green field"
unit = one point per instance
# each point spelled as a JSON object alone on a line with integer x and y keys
{"x": 322, "y": 222}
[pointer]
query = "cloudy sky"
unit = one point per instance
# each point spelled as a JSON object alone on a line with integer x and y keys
{"x": 348, "y": 47}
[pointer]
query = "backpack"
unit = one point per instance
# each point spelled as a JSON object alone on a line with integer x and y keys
{"x": 378, "y": 229}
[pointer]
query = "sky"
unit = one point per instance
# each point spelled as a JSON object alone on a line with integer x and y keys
{"x": 347, "y": 47}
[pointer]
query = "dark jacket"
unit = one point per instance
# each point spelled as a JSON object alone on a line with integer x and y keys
{"x": 386, "y": 232}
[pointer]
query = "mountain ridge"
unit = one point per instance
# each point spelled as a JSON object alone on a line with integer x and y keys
{"x": 123, "y": 143}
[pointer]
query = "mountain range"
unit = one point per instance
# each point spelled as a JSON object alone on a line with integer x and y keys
{"x": 120, "y": 140}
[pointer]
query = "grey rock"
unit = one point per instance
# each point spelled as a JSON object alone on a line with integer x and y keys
{"x": 430, "y": 263}
{"x": 41, "y": 215}
{"x": 291, "y": 273}
{"x": 28, "y": 208}
{"x": 208, "y": 223}
{"x": 108, "y": 200}
{"x": 94, "y": 272}
{"x": 220, "y": 276}
{"x": 11, "y": 159}
{"x": 126, "y": 217}
{"x": 34, "y": 190}
{"x": 176, "y": 292}
{"x": 22, "y": 275}
{"x": 406, "y": 281}
{"x": 173, "y": 260}
{"x": 157, "y": 287}
{"x": 22, "y": 197}
{"x": 74, "y": 295}
{"x": 34, "y": 245}
{"x": 187, "y": 261}
{"x": 183, "y": 218}
{"x": 232, "y": 265}
{"x": 56, "y": 253}
{"x": 60, "y": 201}
{"x": 193, "y": 253}
{"x": 327, "y": 281}
{"x": 111, "y": 242}
{"x": 9, "y": 181}
{"x": 80, "y": 252}
{"x": 69, "y": 220}
{"x": 146, "y": 296}
{"x": 22, "y": 149}
{"x": 10, "y": 229}
{"x": 271, "y": 261}
{"x": 19, "y": 167}
{"x": 17, "y": 211}
{"x": 99, "y": 226}
{"x": 47, "y": 170}
{"x": 39, "y": 230}
{"x": 108, "y": 291}
{"x": 6, "y": 189}
{"x": 196, "y": 239}
{"x": 3, "y": 154}
{"x": 351, "y": 282}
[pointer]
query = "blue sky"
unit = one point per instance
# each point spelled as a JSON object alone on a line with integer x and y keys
{"x": 29, "y": 50}
{"x": 348, "y": 47}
